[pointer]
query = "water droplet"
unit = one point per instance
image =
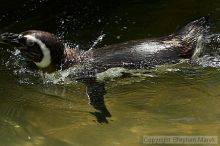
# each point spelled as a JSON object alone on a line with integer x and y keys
{"x": 118, "y": 37}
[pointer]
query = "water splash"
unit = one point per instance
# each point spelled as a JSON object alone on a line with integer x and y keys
{"x": 58, "y": 77}
{"x": 18, "y": 65}
{"x": 209, "y": 51}
{"x": 98, "y": 40}
{"x": 209, "y": 61}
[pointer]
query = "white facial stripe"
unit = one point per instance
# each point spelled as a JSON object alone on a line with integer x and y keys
{"x": 46, "y": 61}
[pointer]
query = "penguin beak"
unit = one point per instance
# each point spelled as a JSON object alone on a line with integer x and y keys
{"x": 10, "y": 38}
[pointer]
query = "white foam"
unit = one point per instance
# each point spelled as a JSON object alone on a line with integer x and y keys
{"x": 199, "y": 47}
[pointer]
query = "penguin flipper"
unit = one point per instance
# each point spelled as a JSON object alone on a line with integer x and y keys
{"x": 95, "y": 92}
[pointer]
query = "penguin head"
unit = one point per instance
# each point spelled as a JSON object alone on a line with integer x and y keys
{"x": 43, "y": 48}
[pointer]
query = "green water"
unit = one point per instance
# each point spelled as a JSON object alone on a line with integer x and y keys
{"x": 180, "y": 100}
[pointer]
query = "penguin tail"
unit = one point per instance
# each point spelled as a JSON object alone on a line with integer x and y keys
{"x": 191, "y": 35}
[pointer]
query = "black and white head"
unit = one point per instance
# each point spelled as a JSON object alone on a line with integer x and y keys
{"x": 43, "y": 48}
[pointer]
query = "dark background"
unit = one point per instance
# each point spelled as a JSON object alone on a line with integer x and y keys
{"x": 82, "y": 21}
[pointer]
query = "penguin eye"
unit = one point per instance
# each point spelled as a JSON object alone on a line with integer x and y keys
{"x": 30, "y": 43}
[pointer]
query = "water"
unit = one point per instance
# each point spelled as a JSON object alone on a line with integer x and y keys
{"x": 53, "y": 110}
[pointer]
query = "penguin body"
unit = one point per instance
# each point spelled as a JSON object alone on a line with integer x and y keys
{"x": 50, "y": 54}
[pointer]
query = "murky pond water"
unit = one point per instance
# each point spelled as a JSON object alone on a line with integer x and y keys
{"x": 173, "y": 100}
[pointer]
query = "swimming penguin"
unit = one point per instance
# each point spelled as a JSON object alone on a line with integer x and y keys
{"x": 50, "y": 54}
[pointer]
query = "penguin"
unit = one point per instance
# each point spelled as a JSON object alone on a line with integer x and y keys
{"x": 50, "y": 54}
